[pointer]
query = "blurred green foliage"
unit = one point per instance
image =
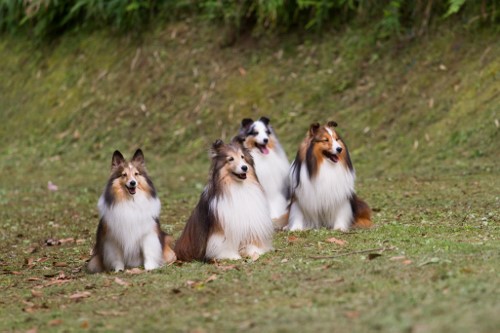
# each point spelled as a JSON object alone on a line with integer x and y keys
{"x": 43, "y": 18}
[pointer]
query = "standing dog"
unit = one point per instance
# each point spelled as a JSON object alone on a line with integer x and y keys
{"x": 129, "y": 233}
{"x": 232, "y": 216}
{"x": 322, "y": 178}
{"x": 271, "y": 165}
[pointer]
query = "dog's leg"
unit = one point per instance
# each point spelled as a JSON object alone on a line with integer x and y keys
{"x": 296, "y": 220}
{"x": 219, "y": 247}
{"x": 342, "y": 220}
{"x": 152, "y": 251}
{"x": 95, "y": 264}
{"x": 113, "y": 257}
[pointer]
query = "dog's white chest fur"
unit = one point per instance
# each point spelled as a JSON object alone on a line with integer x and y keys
{"x": 324, "y": 200}
{"x": 128, "y": 223}
{"x": 272, "y": 171}
{"x": 243, "y": 214}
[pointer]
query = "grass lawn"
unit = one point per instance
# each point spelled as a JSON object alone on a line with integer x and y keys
{"x": 421, "y": 121}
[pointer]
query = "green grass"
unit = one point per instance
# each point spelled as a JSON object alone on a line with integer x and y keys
{"x": 66, "y": 107}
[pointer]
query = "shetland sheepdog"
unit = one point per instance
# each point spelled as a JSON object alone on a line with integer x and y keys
{"x": 232, "y": 217}
{"x": 129, "y": 234}
{"x": 271, "y": 165}
{"x": 322, "y": 190}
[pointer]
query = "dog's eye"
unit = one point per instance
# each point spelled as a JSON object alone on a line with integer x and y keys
{"x": 268, "y": 132}
{"x": 242, "y": 156}
{"x": 326, "y": 140}
{"x": 124, "y": 175}
{"x": 136, "y": 174}
{"x": 230, "y": 159}
{"x": 254, "y": 133}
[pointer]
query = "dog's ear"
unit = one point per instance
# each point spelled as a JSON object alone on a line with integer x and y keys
{"x": 313, "y": 129}
{"x": 138, "y": 157}
{"x": 117, "y": 160}
{"x": 265, "y": 120}
{"x": 238, "y": 140}
{"x": 216, "y": 147}
{"x": 332, "y": 123}
{"x": 245, "y": 123}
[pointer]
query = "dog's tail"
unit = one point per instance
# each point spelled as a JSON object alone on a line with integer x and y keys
{"x": 362, "y": 213}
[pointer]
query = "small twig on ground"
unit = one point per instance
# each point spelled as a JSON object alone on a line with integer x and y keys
{"x": 385, "y": 248}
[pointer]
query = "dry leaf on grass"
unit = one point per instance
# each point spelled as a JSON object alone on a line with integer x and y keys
{"x": 134, "y": 271}
{"x": 397, "y": 258}
{"x": 80, "y": 295}
{"x": 122, "y": 282}
{"x": 292, "y": 239}
{"x": 55, "y": 322}
{"x": 336, "y": 241}
{"x": 60, "y": 264}
{"x": 32, "y": 330}
{"x": 352, "y": 314}
{"x": 36, "y": 293}
{"x": 227, "y": 267}
{"x": 211, "y": 278}
{"x": 67, "y": 240}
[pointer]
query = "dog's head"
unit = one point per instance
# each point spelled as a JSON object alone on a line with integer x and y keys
{"x": 128, "y": 177}
{"x": 257, "y": 134}
{"x": 325, "y": 143}
{"x": 231, "y": 161}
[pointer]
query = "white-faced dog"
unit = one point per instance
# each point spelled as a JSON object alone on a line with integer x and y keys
{"x": 271, "y": 165}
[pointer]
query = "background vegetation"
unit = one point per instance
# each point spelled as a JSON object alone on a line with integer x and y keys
{"x": 406, "y": 18}
{"x": 417, "y": 100}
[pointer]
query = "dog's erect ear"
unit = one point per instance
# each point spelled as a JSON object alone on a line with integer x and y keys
{"x": 238, "y": 140}
{"x": 265, "y": 120}
{"x": 313, "y": 129}
{"x": 138, "y": 157}
{"x": 216, "y": 147}
{"x": 117, "y": 160}
{"x": 332, "y": 123}
{"x": 245, "y": 123}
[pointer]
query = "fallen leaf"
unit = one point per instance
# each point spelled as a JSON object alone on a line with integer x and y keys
{"x": 292, "y": 239}
{"x": 336, "y": 241}
{"x": 134, "y": 271}
{"x": 284, "y": 261}
{"x": 15, "y": 273}
{"x": 85, "y": 324}
{"x": 32, "y": 330}
{"x": 122, "y": 282}
{"x": 55, "y": 322}
{"x": 66, "y": 240}
{"x": 80, "y": 241}
{"x": 36, "y": 293}
{"x": 227, "y": 267}
{"x": 60, "y": 264}
{"x": 31, "y": 279}
{"x": 32, "y": 249}
{"x": 192, "y": 284}
{"x": 211, "y": 278}
{"x": 242, "y": 71}
{"x": 80, "y": 295}
{"x": 397, "y": 258}
{"x": 406, "y": 262}
{"x": 51, "y": 186}
{"x": 352, "y": 314}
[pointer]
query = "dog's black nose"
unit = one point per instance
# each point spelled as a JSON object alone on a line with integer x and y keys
{"x": 339, "y": 150}
{"x": 266, "y": 140}
{"x": 133, "y": 183}
{"x": 244, "y": 168}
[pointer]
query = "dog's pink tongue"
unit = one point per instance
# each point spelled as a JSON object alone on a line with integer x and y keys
{"x": 264, "y": 150}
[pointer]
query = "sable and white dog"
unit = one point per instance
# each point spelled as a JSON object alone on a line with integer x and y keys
{"x": 232, "y": 217}
{"x": 322, "y": 178}
{"x": 271, "y": 165}
{"x": 129, "y": 233}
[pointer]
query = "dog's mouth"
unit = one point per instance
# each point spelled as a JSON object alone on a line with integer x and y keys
{"x": 131, "y": 190}
{"x": 241, "y": 176}
{"x": 263, "y": 148}
{"x": 331, "y": 156}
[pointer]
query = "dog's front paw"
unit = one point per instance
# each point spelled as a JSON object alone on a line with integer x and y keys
{"x": 150, "y": 266}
